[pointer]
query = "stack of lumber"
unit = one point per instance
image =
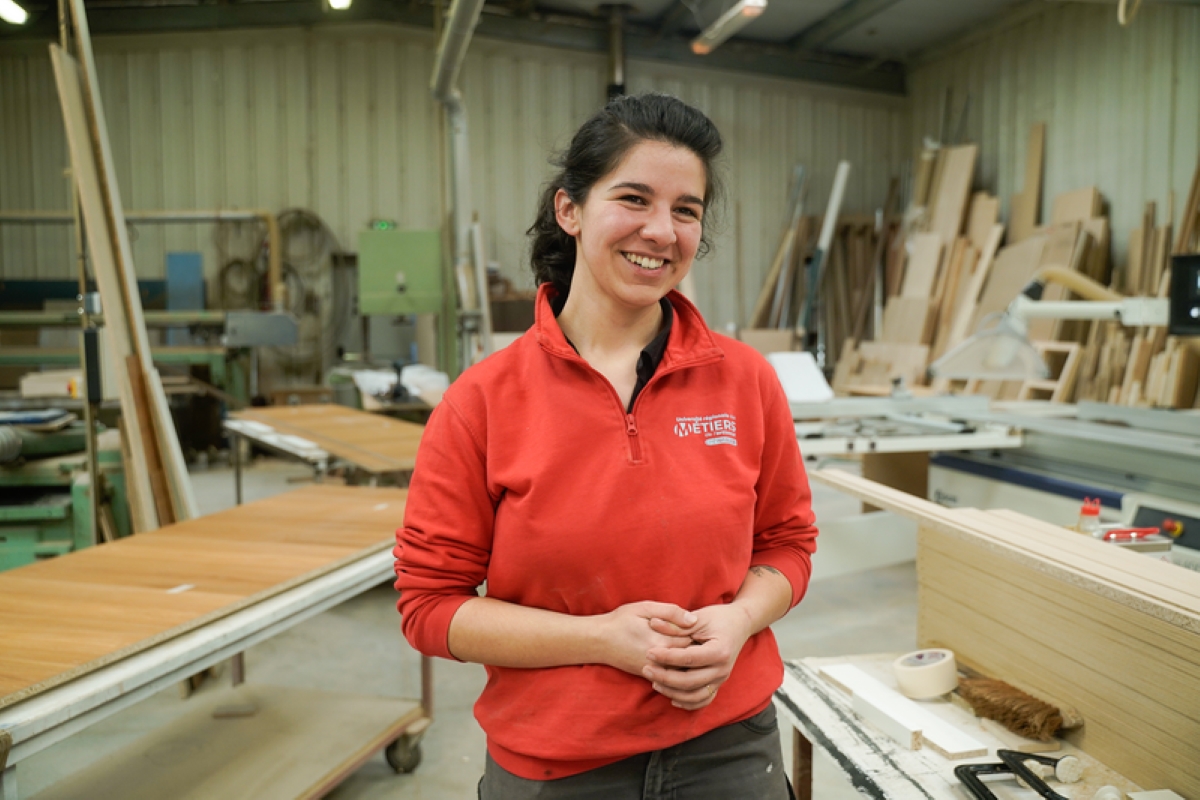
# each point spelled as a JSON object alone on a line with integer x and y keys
{"x": 160, "y": 490}
{"x": 1112, "y": 633}
{"x": 939, "y": 259}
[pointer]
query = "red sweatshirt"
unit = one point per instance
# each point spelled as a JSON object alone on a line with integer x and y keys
{"x": 532, "y": 476}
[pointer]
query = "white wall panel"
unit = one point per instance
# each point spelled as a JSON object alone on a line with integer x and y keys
{"x": 1121, "y": 105}
{"x": 340, "y": 121}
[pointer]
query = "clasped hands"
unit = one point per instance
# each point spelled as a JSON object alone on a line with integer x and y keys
{"x": 686, "y": 655}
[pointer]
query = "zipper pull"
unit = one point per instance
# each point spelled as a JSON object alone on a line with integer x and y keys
{"x": 630, "y": 425}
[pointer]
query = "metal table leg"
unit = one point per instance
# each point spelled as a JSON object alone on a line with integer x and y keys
{"x": 235, "y": 445}
{"x": 802, "y": 765}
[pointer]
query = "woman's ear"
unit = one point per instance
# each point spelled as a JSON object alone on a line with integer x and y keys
{"x": 566, "y": 212}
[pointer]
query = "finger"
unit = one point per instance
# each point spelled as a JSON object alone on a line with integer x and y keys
{"x": 695, "y": 657}
{"x": 669, "y": 612}
{"x": 667, "y": 628}
{"x": 688, "y": 700}
{"x": 674, "y": 642}
{"x": 683, "y": 681}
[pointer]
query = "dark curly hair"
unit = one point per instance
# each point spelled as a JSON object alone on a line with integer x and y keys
{"x": 597, "y": 149}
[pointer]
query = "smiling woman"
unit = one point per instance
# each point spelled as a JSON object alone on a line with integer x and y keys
{"x": 628, "y": 484}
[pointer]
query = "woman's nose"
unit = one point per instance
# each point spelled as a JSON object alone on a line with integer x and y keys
{"x": 659, "y": 228}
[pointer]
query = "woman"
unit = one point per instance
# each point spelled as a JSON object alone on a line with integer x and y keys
{"x": 629, "y": 485}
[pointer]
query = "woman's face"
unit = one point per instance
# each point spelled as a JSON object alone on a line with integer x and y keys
{"x": 637, "y": 233}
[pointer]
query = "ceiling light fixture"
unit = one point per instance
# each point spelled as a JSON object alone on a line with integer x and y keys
{"x": 11, "y": 12}
{"x": 726, "y": 25}
{"x": 336, "y": 5}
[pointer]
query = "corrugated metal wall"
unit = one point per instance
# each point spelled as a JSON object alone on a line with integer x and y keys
{"x": 340, "y": 121}
{"x": 1121, "y": 105}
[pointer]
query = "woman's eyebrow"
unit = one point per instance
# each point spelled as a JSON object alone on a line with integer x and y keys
{"x": 645, "y": 189}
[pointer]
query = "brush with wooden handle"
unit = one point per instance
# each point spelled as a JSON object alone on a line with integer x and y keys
{"x": 1018, "y": 711}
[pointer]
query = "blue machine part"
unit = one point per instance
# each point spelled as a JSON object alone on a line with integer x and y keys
{"x": 1030, "y": 480}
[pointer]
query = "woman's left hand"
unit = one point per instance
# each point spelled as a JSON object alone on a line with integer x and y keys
{"x": 692, "y": 676}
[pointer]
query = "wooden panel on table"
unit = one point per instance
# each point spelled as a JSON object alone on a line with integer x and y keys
{"x": 953, "y": 189}
{"x": 89, "y": 608}
{"x": 925, "y": 255}
{"x": 373, "y": 442}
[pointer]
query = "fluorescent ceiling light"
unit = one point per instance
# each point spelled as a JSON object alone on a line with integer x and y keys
{"x": 336, "y": 5}
{"x": 727, "y": 25}
{"x": 11, "y": 12}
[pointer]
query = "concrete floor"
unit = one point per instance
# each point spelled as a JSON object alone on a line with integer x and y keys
{"x": 357, "y": 647}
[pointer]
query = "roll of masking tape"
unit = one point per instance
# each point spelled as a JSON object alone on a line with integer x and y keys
{"x": 926, "y": 673}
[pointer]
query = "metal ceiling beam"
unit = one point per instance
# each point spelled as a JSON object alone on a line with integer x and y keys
{"x": 588, "y": 34}
{"x": 839, "y": 21}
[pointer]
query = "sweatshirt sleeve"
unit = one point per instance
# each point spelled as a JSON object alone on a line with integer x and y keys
{"x": 785, "y": 533}
{"x": 443, "y": 549}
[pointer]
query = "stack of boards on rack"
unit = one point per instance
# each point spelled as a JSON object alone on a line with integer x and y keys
{"x": 953, "y": 263}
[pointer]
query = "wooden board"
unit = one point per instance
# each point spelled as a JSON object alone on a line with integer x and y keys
{"x": 372, "y": 442}
{"x": 906, "y": 320}
{"x": 70, "y": 615}
{"x": 1064, "y": 250}
{"x": 1077, "y": 206}
{"x": 925, "y": 254}
{"x": 953, "y": 189}
{"x": 1013, "y": 267}
{"x": 983, "y": 214}
{"x": 296, "y": 741}
{"x": 968, "y": 297}
{"x": 1025, "y": 210}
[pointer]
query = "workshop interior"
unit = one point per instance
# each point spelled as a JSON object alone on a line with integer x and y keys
{"x": 246, "y": 246}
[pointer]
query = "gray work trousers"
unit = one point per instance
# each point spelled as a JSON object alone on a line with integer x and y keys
{"x": 742, "y": 761}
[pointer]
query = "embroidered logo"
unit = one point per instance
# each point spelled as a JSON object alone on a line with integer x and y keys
{"x": 715, "y": 428}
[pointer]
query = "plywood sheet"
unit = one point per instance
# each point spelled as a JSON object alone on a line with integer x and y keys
{"x": 982, "y": 215}
{"x": 372, "y": 442}
{"x": 67, "y": 616}
{"x": 1025, "y": 210}
{"x": 906, "y": 320}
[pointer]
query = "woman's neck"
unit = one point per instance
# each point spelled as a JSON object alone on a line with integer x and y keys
{"x": 598, "y": 327}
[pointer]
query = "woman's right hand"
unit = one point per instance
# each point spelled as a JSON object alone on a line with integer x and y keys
{"x": 628, "y": 637}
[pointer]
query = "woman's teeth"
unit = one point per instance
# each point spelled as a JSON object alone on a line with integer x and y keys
{"x": 645, "y": 263}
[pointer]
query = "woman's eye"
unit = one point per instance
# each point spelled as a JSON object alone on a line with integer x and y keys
{"x": 633, "y": 198}
{"x": 688, "y": 212}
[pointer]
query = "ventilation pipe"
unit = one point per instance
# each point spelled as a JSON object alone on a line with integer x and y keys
{"x": 616, "y": 51}
{"x": 464, "y": 15}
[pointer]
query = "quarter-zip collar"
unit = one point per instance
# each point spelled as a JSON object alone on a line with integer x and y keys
{"x": 690, "y": 342}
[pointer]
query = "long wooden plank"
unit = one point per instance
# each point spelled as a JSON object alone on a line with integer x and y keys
{"x": 953, "y": 189}
{"x": 373, "y": 442}
{"x": 76, "y": 613}
{"x": 117, "y": 337}
{"x": 166, "y": 440}
{"x": 151, "y": 457}
{"x": 1024, "y": 211}
{"x": 1077, "y": 206}
{"x": 925, "y": 254}
{"x": 1013, "y": 267}
{"x": 968, "y": 298}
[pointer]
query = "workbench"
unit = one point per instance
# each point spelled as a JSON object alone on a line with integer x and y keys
{"x": 875, "y": 765}
{"x": 92, "y": 632}
{"x": 374, "y": 447}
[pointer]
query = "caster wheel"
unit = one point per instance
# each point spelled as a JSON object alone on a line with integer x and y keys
{"x": 404, "y": 755}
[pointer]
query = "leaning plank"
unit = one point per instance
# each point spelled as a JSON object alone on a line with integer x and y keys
{"x": 120, "y": 345}
{"x": 981, "y": 216}
{"x": 166, "y": 439}
{"x": 905, "y": 320}
{"x": 968, "y": 298}
{"x": 151, "y": 456}
{"x": 953, "y": 189}
{"x": 183, "y": 496}
{"x": 1077, "y": 206}
{"x": 925, "y": 254}
{"x": 1025, "y": 210}
{"x": 1013, "y": 268}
